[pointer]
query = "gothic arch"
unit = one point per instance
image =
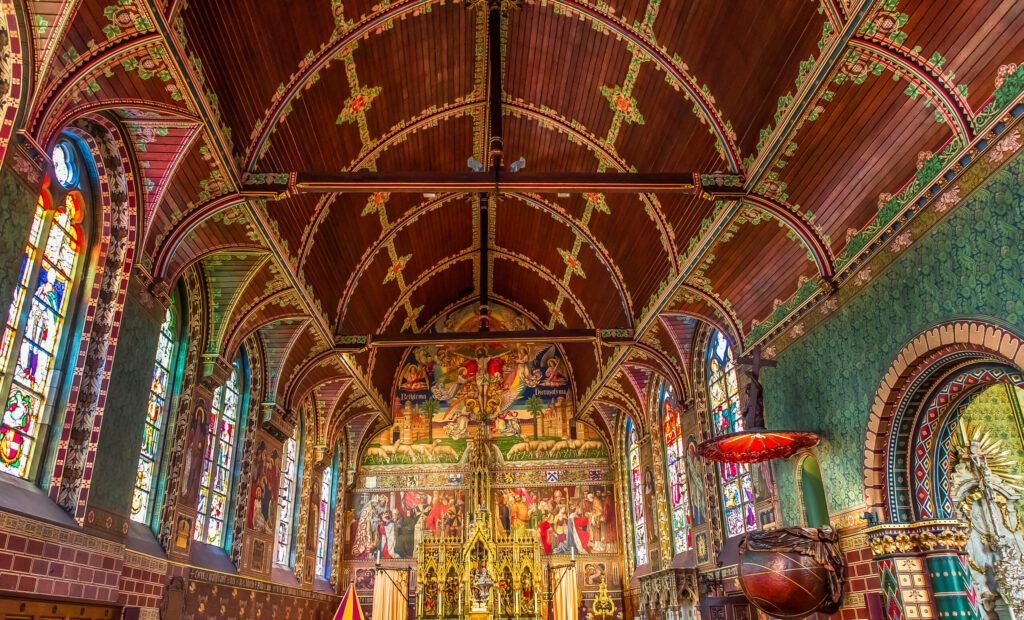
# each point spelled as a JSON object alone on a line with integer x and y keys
{"x": 116, "y": 213}
{"x": 928, "y": 361}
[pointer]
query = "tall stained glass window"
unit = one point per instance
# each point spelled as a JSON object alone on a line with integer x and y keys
{"x": 324, "y": 522}
{"x": 31, "y": 340}
{"x": 675, "y": 471}
{"x": 219, "y": 461}
{"x": 636, "y": 494}
{"x": 723, "y": 399}
{"x": 156, "y": 412}
{"x": 286, "y": 502}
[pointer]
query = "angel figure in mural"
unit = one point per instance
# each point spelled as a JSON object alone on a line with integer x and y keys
{"x": 985, "y": 491}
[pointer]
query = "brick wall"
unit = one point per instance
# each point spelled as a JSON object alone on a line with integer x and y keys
{"x": 43, "y": 560}
{"x": 48, "y": 560}
{"x": 861, "y": 573}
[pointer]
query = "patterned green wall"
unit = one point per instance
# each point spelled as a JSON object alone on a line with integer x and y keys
{"x": 968, "y": 265}
{"x": 17, "y": 204}
{"x": 123, "y": 419}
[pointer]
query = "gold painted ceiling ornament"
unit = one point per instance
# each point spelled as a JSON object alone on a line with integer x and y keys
{"x": 503, "y": 5}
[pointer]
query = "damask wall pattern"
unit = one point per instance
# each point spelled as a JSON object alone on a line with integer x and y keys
{"x": 967, "y": 266}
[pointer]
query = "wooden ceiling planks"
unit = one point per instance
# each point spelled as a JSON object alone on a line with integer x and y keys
{"x": 865, "y": 143}
{"x": 576, "y": 59}
{"x": 573, "y": 99}
{"x": 262, "y": 43}
{"x": 758, "y": 266}
{"x": 975, "y": 39}
{"x": 754, "y": 35}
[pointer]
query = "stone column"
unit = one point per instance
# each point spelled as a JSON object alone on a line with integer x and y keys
{"x": 131, "y": 377}
{"x": 923, "y": 569}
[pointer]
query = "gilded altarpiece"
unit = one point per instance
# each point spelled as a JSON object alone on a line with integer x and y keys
{"x": 550, "y": 491}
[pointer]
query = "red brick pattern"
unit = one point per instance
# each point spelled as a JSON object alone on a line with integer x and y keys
{"x": 54, "y": 562}
{"x": 47, "y": 560}
{"x": 861, "y": 576}
{"x": 142, "y": 581}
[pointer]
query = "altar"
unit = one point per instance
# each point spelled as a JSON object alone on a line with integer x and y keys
{"x": 483, "y": 575}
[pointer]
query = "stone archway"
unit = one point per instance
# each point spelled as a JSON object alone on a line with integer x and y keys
{"x": 924, "y": 361}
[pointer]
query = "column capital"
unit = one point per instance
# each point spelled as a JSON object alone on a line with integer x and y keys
{"x": 920, "y": 537}
{"x": 277, "y": 420}
{"x": 215, "y": 370}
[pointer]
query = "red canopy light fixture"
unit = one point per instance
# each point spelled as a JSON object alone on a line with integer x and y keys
{"x": 756, "y": 443}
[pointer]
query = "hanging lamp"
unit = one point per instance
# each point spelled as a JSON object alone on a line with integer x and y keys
{"x": 755, "y": 443}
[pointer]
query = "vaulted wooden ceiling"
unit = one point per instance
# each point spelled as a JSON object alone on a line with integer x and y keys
{"x": 818, "y": 108}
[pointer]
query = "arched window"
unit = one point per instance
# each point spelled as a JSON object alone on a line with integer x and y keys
{"x": 636, "y": 494}
{"x": 156, "y": 412}
{"x": 324, "y": 523}
{"x": 286, "y": 501}
{"x": 218, "y": 465}
{"x": 675, "y": 472}
{"x": 723, "y": 400}
{"x": 33, "y": 333}
{"x": 812, "y": 492}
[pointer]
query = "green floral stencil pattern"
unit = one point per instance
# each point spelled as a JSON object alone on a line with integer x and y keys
{"x": 969, "y": 265}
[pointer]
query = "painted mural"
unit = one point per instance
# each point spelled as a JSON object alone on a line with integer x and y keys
{"x": 438, "y": 394}
{"x": 387, "y": 525}
{"x": 568, "y": 519}
{"x": 550, "y": 473}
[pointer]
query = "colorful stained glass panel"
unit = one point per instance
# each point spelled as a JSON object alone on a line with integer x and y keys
{"x": 723, "y": 395}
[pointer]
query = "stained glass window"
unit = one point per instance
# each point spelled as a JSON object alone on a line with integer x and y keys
{"x": 675, "y": 471}
{"x": 32, "y": 333}
{"x": 723, "y": 399}
{"x": 156, "y": 410}
{"x": 324, "y": 522}
{"x": 286, "y": 502}
{"x": 65, "y": 166}
{"x": 218, "y": 462}
{"x": 636, "y": 494}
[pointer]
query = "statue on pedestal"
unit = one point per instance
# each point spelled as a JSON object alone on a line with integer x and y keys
{"x": 985, "y": 491}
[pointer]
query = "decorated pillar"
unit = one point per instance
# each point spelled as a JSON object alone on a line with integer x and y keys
{"x": 193, "y": 430}
{"x": 652, "y": 507}
{"x": 117, "y": 454}
{"x": 319, "y": 458}
{"x": 259, "y": 505}
{"x": 923, "y": 569}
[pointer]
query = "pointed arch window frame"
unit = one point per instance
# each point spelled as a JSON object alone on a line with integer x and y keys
{"x": 221, "y": 456}
{"x": 159, "y": 411}
{"x": 635, "y": 475}
{"x": 735, "y": 480}
{"x": 62, "y": 213}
